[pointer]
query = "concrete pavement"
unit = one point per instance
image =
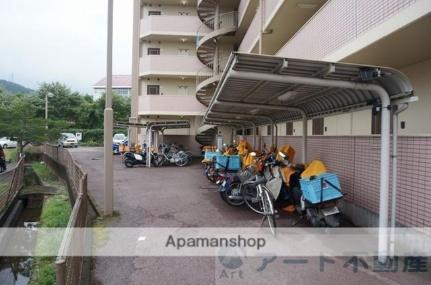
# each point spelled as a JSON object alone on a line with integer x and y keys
{"x": 171, "y": 197}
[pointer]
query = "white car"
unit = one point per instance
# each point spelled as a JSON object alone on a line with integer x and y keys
{"x": 119, "y": 138}
{"x": 6, "y": 142}
{"x": 68, "y": 140}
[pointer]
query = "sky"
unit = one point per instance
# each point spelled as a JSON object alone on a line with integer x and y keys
{"x": 62, "y": 40}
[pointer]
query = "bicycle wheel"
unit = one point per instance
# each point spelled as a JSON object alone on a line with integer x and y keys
{"x": 211, "y": 174}
{"x": 233, "y": 195}
{"x": 268, "y": 207}
{"x": 182, "y": 159}
{"x": 252, "y": 199}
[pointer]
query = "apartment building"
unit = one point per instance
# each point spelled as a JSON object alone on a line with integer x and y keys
{"x": 181, "y": 49}
{"x": 121, "y": 85}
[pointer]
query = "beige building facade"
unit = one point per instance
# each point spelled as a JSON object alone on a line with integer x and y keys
{"x": 181, "y": 49}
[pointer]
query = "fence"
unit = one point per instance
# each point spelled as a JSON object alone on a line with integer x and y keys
{"x": 11, "y": 182}
{"x": 69, "y": 268}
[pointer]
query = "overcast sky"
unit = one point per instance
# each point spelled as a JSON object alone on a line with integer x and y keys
{"x": 62, "y": 40}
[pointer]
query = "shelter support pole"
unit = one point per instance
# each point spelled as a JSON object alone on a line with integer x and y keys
{"x": 108, "y": 122}
{"x": 304, "y": 138}
{"x": 385, "y": 135}
{"x": 149, "y": 142}
{"x": 401, "y": 108}
{"x": 276, "y": 135}
{"x": 254, "y": 136}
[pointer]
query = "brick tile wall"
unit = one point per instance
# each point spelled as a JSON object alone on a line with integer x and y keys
{"x": 356, "y": 160}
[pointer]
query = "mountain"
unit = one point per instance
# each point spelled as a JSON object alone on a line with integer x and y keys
{"x": 11, "y": 87}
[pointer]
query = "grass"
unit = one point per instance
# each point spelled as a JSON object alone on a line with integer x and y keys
{"x": 10, "y": 154}
{"x": 44, "y": 172}
{"x": 55, "y": 214}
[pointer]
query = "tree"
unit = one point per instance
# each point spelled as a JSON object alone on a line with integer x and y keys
{"x": 63, "y": 105}
{"x": 19, "y": 120}
{"x": 120, "y": 105}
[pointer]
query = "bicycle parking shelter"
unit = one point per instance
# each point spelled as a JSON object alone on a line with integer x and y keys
{"x": 259, "y": 90}
{"x": 156, "y": 127}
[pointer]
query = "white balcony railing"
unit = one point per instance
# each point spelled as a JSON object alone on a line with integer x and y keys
{"x": 187, "y": 65}
{"x": 171, "y": 25}
{"x": 186, "y": 105}
{"x": 339, "y": 22}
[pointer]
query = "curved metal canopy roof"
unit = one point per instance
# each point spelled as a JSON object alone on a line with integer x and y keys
{"x": 265, "y": 89}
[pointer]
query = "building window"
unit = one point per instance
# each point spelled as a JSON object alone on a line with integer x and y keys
{"x": 183, "y": 90}
{"x": 268, "y": 130}
{"x": 289, "y": 128}
{"x": 153, "y": 89}
{"x": 154, "y": 13}
{"x": 183, "y": 51}
{"x": 318, "y": 126}
{"x": 153, "y": 51}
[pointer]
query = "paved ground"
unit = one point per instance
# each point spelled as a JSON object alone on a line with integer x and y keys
{"x": 173, "y": 196}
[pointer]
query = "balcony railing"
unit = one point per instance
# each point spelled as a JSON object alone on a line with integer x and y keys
{"x": 170, "y": 105}
{"x": 337, "y": 23}
{"x": 223, "y": 21}
{"x": 171, "y": 25}
{"x": 172, "y": 64}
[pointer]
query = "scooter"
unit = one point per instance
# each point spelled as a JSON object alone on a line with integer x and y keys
{"x": 131, "y": 159}
{"x": 316, "y": 197}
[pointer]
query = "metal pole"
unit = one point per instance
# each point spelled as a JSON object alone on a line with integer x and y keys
{"x": 304, "y": 138}
{"x": 394, "y": 175}
{"x": 133, "y": 138}
{"x": 108, "y": 120}
{"x": 262, "y": 25}
{"x": 46, "y": 111}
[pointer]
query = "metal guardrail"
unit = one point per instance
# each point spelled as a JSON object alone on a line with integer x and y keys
{"x": 69, "y": 268}
{"x": 11, "y": 182}
{"x": 223, "y": 21}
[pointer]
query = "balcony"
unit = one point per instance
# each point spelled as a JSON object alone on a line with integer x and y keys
{"x": 170, "y": 25}
{"x": 282, "y": 20}
{"x": 341, "y": 27}
{"x": 169, "y": 65}
{"x": 179, "y": 105}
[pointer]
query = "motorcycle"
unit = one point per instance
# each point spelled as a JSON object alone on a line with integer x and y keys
{"x": 132, "y": 159}
{"x": 316, "y": 196}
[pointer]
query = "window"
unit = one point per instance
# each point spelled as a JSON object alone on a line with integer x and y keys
{"x": 154, "y": 13}
{"x": 183, "y": 90}
{"x": 318, "y": 126}
{"x": 153, "y": 51}
{"x": 153, "y": 89}
{"x": 289, "y": 128}
{"x": 183, "y": 51}
{"x": 268, "y": 130}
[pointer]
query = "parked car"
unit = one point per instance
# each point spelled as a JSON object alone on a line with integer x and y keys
{"x": 68, "y": 140}
{"x": 6, "y": 142}
{"x": 119, "y": 138}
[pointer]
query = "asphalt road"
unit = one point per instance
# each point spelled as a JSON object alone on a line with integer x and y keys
{"x": 182, "y": 197}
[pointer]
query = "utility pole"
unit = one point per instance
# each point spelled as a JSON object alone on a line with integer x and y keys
{"x": 108, "y": 121}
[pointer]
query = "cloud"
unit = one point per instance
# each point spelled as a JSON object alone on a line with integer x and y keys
{"x": 47, "y": 40}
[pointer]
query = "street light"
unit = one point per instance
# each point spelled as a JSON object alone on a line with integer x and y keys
{"x": 108, "y": 121}
{"x": 50, "y": 95}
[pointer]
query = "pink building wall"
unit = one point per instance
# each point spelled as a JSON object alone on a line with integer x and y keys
{"x": 356, "y": 160}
